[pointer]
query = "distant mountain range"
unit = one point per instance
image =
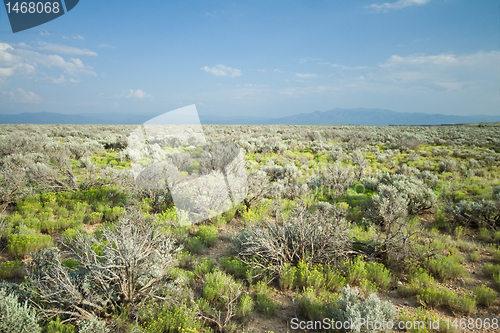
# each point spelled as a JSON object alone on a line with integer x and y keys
{"x": 378, "y": 117}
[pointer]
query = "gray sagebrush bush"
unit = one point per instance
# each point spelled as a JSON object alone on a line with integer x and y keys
{"x": 475, "y": 214}
{"x": 92, "y": 325}
{"x": 16, "y": 317}
{"x": 319, "y": 237}
{"x": 123, "y": 266}
{"x": 350, "y": 308}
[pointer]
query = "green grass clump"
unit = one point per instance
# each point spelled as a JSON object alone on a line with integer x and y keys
{"x": 11, "y": 270}
{"x": 432, "y": 297}
{"x": 20, "y": 245}
{"x": 447, "y": 268}
{"x": 485, "y": 296}
{"x": 208, "y": 234}
{"x": 287, "y": 276}
{"x": 57, "y": 327}
{"x": 245, "y": 306}
{"x": 475, "y": 256}
{"x": 203, "y": 267}
{"x": 219, "y": 288}
{"x": 419, "y": 279}
{"x": 490, "y": 269}
{"x": 234, "y": 267}
{"x": 464, "y": 305}
{"x": 306, "y": 277}
{"x": 310, "y": 305}
{"x": 155, "y": 318}
{"x": 379, "y": 274}
{"x": 334, "y": 281}
{"x": 194, "y": 244}
{"x": 264, "y": 298}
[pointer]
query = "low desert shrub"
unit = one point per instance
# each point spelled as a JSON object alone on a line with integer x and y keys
{"x": 234, "y": 267}
{"x": 204, "y": 266}
{"x": 11, "y": 270}
{"x": 20, "y": 245}
{"x": 446, "y": 268}
{"x": 57, "y": 327}
{"x": 485, "y": 296}
{"x": 462, "y": 305}
{"x": 16, "y": 317}
{"x": 158, "y": 318}
{"x": 264, "y": 301}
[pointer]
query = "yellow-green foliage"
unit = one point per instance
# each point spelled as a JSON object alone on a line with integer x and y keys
{"x": 158, "y": 318}
{"x": 20, "y": 245}
{"x": 485, "y": 296}
{"x": 264, "y": 301}
{"x": 11, "y": 269}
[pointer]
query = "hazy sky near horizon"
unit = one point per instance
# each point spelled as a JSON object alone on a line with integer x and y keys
{"x": 258, "y": 58}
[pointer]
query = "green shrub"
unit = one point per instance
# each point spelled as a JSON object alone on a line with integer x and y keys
{"x": 21, "y": 245}
{"x": 447, "y": 268}
{"x": 245, "y": 306}
{"x": 15, "y": 317}
{"x": 496, "y": 255}
{"x": 204, "y": 266}
{"x": 194, "y": 244}
{"x": 418, "y": 279}
{"x": 179, "y": 273}
{"x": 306, "y": 277}
{"x": 235, "y": 267}
{"x": 57, "y": 327}
{"x": 356, "y": 271}
{"x": 462, "y": 305}
{"x": 11, "y": 269}
{"x": 490, "y": 269}
{"x": 475, "y": 256}
{"x": 496, "y": 280}
{"x": 208, "y": 234}
{"x": 311, "y": 306}
{"x": 287, "y": 276}
{"x": 264, "y": 298}
{"x": 432, "y": 297}
{"x": 93, "y": 218}
{"x": 379, "y": 274}
{"x": 156, "y": 318}
{"x": 484, "y": 234}
{"x": 219, "y": 288}
{"x": 334, "y": 281}
{"x": 485, "y": 296}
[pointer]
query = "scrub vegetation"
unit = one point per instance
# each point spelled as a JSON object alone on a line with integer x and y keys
{"x": 339, "y": 222}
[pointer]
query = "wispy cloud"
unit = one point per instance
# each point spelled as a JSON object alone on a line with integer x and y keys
{"x": 139, "y": 94}
{"x": 62, "y": 49}
{"x": 342, "y": 67}
{"x": 22, "y": 96}
{"x": 306, "y": 75}
{"x": 400, "y": 4}
{"x": 105, "y": 46}
{"x": 221, "y": 70}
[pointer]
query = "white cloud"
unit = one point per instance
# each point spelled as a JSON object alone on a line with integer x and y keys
{"x": 105, "y": 46}
{"x": 44, "y": 33}
{"x": 21, "y": 61}
{"x": 22, "y": 96}
{"x": 62, "y": 49}
{"x": 137, "y": 94}
{"x": 221, "y": 70}
{"x": 306, "y": 75}
{"x": 400, "y": 4}
{"x": 342, "y": 67}
{"x": 78, "y": 37}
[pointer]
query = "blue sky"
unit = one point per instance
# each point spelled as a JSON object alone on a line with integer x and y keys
{"x": 259, "y": 58}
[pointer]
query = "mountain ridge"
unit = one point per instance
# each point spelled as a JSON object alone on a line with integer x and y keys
{"x": 338, "y": 116}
